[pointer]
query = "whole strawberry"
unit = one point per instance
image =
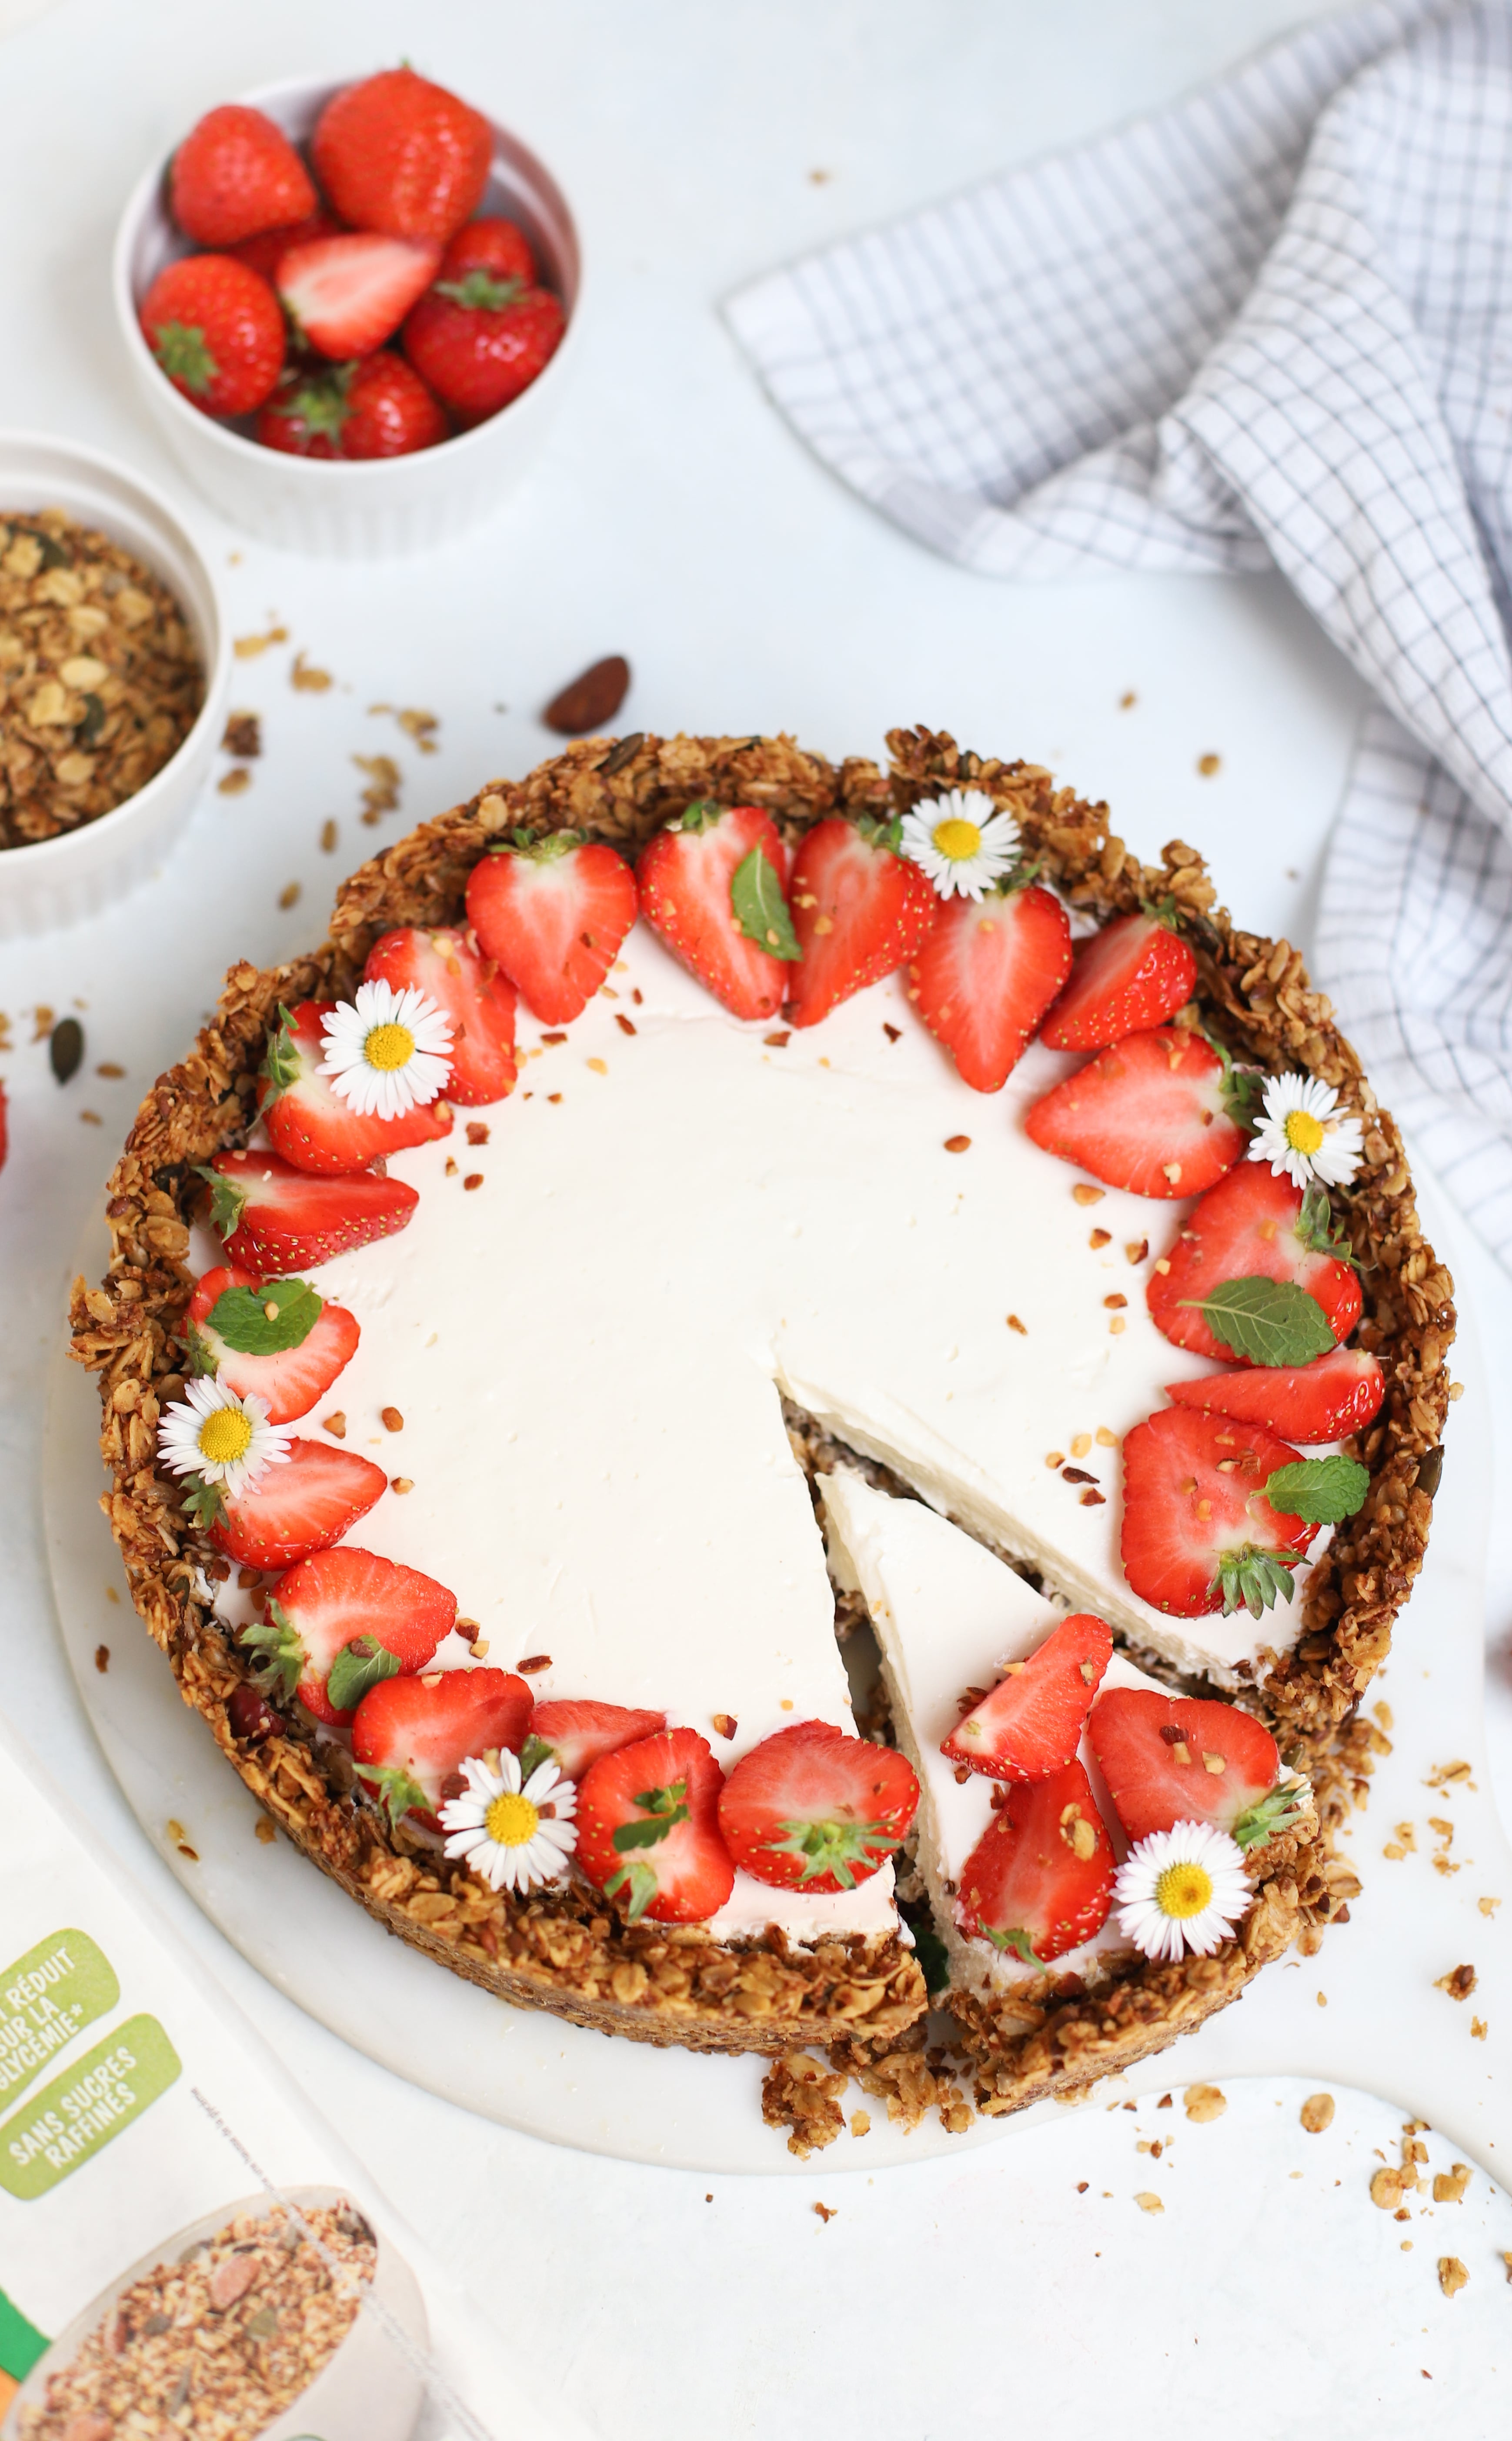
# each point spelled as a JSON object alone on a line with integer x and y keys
{"x": 217, "y": 330}
{"x": 236, "y": 173}
{"x": 376, "y": 408}
{"x": 481, "y": 341}
{"x": 497, "y": 246}
{"x": 402, "y": 157}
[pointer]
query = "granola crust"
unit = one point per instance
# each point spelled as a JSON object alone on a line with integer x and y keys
{"x": 565, "y": 1950}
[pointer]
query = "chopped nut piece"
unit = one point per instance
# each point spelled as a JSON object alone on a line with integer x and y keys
{"x": 1172, "y": 1171}
{"x": 1055, "y": 1458}
{"x": 335, "y": 1425}
{"x": 1105, "y": 1439}
{"x": 232, "y": 783}
{"x": 1447, "y": 1775}
{"x": 289, "y": 894}
{"x": 1209, "y": 763}
{"x": 1386, "y": 2189}
{"x": 600, "y": 1067}
{"x": 1116, "y": 1300}
{"x": 1081, "y": 1443}
{"x": 534, "y": 1663}
{"x": 1458, "y": 1982}
{"x": 780, "y": 1040}
{"x": 825, "y": 2213}
{"x": 102, "y": 1659}
{"x": 1014, "y": 1324}
{"x": 1450, "y": 2186}
{"x": 329, "y": 836}
{"x": 400, "y": 1483}
{"x": 1098, "y": 1238}
{"x": 1137, "y": 1248}
{"x": 958, "y": 1144}
{"x": 478, "y": 1647}
{"x": 1316, "y": 2113}
{"x": 473, "y": 1181}
{"x": 391, "y": 1418}
{"x": 1204, "y": 2102}
{"x": 725, "y": 1723}
{"x": 1148, "y": 2202}
{"x": 1087, "y": 1194}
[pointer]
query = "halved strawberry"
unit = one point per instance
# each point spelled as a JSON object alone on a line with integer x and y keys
{"x": 274, "y": 1219}
{"x": 410, "y": 1736}
{"x": 1031, "y": 1722}
{"x": 302, "y": 1505}
{"x": 1336, "y": 1394}
{"x": 986, "y": 975}
{"x": 1039, "y": 1881}
{"x": 290, "y": 1379}
{"x": 479, "y": 1002}
{"x": 813, "y": 1809}
{"x": 1154, "y": 1114}
{"x": 690, "y": 877}
{"x": 1132, "y": 975}
{"x": 552, "y": 917}
{"x": 341, "y": 1622}
{"x": 346, "y": 294}
{"x": 859, "y": 909}
{"x": 1251, "y": 1225}
{"x": 576, "y": 1731}
{"x": 1199, "y": 1533}
{"x": 648, "y": 1829}
{"x": 1170, "y": 1758}
{"x": 309, "y": 1122}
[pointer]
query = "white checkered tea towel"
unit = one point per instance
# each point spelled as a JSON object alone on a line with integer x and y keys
{"x": 1271, "y": 325}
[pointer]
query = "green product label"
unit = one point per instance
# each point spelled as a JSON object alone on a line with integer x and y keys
{"x": 21, "y": 2342}
{"x": 45, "y": 1998}
{"x": 76, "y": 2116}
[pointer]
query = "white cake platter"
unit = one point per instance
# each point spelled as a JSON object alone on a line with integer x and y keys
{"x": 1367, "y": 2012}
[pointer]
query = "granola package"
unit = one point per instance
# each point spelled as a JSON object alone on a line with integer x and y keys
{"x": 183, "y": 2251}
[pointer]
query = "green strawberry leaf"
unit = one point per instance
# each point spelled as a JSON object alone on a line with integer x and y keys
{"x": 184, "y": 353}
{"x": 1017, "y": 1940}
{"x": 1251, "y": 1579}
{"x": 641, "y": 1881}
{"x": 1166, "y": 911}
{"x": 202, "y": 1356}
{"x": 481, "y": 291}
{"x": 1272, "y": 1814}
{"x": 1321, "y": 1491}
{"x": 228, "y": 1199}
{"x": 203, "y": 1501}
{"x": 1271, "y": 1322}
{"x": 760, "y": 911}
{"x": 700, "y": 816}
{"x": 533, "y": 1754}
{"x": 390, "y": 1787}
{"x": 833, "y": 1848}
{"x": 282, "y": 1649}
{"x": 359, "y": 1665}
{"x": 243, "y": 1319}
{"x": 664, "y": 1808}
{"x": 1314, "y": 1227}
{"x": 881, "y": 831}
{"x": 281, "y": 1064}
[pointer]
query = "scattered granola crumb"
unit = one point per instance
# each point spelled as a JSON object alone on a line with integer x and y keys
{"x": 893, "y": 1032}
{"x": 419, "y": 726}
{"x": 102, "y": 1659}
{"x": 1055, "y": 1458}
{"x": 478, "y": 1131}
{"x": 244, "y": 736}
{"x": 1167, "y": 2102}
{"x": 329, "y": 836}
{"x": 1204, "y": 2102}
{"x": 1322, "y": 1999}
{"x": 400, "y": 1483}
{"x": 1448, "y": 1775}
{"x": 1209, "y": 763}
{"x": 289, "y": 894}
{"x": 1081, "y": 1194}
{"x": 1014, "y": 1324}
{"x": 44, "y": 1019}
{"x": 381, "y": 795}
{"x": 1458, "y": 1982}
{"x": 1394, "y": 1851}
{"x": 232, "y": 783}
{"x": 1081, "y": 1443}
{"x": 246, "y": 648}
{"x": 1104, "y": 1438}
{"x": 825, "y": 2213}
{"x": 450, "y": 1170}
{"x": 780, "y": 1040}
{"x": 265, "y": 1829}
{"x": 1453, "y": 2275}
{"x": 1098, "y": 1238}
{"x": 108, "y": 1068}
{"x": 1386, "y": 2189}
{"x": 92, "y": 1118}
{"x": 478, "y": 1647}
{"x": 1127, "y": 700}
{"x": 860, "y": 2122}
{"x": 1479, "y": 2029}
{"x": 1148, "y": 2202}
{"x": 1450, "y": 2186}
{"x": 111, "y": 1594}
{"x": 1489, "y": 1906}
{"x": 600, "y": 1067}
{"x": 305, "y": 679}
{"x": 1316, "y": 2113}
{"x": 391, "y": 1418}
{"x": 335, "y": 1425}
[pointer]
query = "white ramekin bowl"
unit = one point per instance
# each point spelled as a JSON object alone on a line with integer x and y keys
{"x": 330, "y": 510}
{"x": 65, "y": 879}
{"x": 370, "y": 2390}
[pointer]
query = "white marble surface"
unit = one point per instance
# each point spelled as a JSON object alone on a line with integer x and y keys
{"x": 675, "y": 518}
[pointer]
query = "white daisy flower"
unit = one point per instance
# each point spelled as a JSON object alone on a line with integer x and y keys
{"x": 1182, "y": 1889}
{"x": 225, "y": 1440}
{"x": 386, "y": 1050}
{"x": 513, "y": 1837}
{"x": 960, "y": 840}
{"x": 1303, "y": 1133}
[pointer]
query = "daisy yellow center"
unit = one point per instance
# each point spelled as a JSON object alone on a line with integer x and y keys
{"x": 957, "y": 839}
{"x": 511, "y": 1821}
{"x": 1303, "y": 1133}
{"x": 388, "y": 1046}
{"x": 226, "y": 1435}
{"x": 1183, "y": 1890}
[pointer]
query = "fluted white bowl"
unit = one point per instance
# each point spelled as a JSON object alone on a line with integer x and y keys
{"x": 370, "y": 509}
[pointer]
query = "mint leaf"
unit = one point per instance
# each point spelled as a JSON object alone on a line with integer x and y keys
{"x": 533, "y": 1754}
{"x": 1017, "y": 1940}
{"x": 282, "y": 1649}
{"x": 242, "y": 1318}
{"x": 760, "y": 911}
{"x": 641, "y": 1881}
{"x": 359, "y": 1665}
{"x": 392, "y": 1786}
{"x": 1271, "y": 1322}
{"x": 1314, "y": 1227}
{"x": 1252, "y": 1578}
{"x": 1322, "y": 1490}
{"x": 228, "y": 1199}
{"x": 281, "y": 1064}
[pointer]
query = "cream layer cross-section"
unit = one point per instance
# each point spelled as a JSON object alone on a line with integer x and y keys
{"x": 679, "y": 1219}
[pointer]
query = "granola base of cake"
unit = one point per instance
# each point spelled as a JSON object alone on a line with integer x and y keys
{"x": 564, "y": 1949}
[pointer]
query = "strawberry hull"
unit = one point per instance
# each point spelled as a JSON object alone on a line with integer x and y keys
{"x": 813, "y": 1809}
{"x": 648, "y": 1829}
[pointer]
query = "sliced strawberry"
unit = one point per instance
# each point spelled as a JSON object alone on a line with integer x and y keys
{"x": 264, "y": 252}
{"x": 346, "y": 294}
{"x": 274, "y": 1219}
{"x": 304, "y": 1505}
{"x": 1132, "y": 975}
{"x": 648, "y": 1829}
{"x": 577, "y": 1731}
{"x": 1170, "y": 1758}
{"x": 290, "y": 1380}
{"x": 552, "y": 917}
{"x": 1336, "y": 1394}
{"x": 813, "y": 1809}
{"x": 309, "y": 1122}
{"x": 1151, "y": 1114}
{"x": 1251, "y": 1225}
{"x": 985, "y": 976}
{"x": 341, "y": 1622}
{"x": 1039, "y": 1881}
{"x": 409, "y": 1736}
{"x": 859, "y": 909}
{"x": 689, "y": 876}
{"x": 1031, "y": 1722}
{"x": 1199, "y": 1533}
{"x": 479, "y": 1002}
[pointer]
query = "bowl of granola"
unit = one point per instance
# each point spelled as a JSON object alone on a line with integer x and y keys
{"x": 315, "y": 2326}
{"x": 114, "y": 670}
